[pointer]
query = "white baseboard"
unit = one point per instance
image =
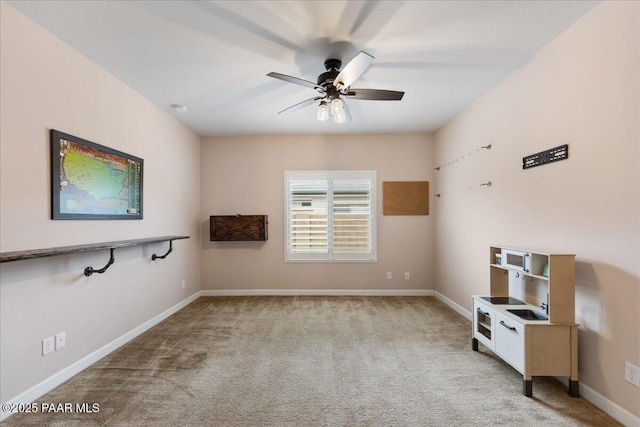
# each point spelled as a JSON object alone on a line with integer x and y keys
{"x": 454, "y": 305}
{"x": 599, "y": 401}
{"x": 319, "y": 292}
{"x": 55, "y": 380}
{"x": 586, "y": 392}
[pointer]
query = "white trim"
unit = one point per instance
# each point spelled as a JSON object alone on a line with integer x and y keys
{"x": 586, "y": 392}
{"x": 454, "y": 305}
{"x": 599, "y": 401}
{"x": 55, "y": 380}
{"x": 320, "y": 292}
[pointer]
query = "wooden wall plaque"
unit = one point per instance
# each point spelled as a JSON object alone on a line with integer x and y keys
{"x": 238, "y": 228}
{"x": 405, "y": 198}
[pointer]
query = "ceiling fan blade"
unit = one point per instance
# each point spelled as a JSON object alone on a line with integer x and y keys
{"x": 301, "y": 105}
{"x": 347, "y": 113}
{"x": 295, "y": 80}
{"x": 353, "y": 70}
{"x": 375, "y": 94}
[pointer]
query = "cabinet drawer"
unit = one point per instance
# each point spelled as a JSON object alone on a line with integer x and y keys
{"x": 509, "y": 339}
{"x": 484, "y": 321}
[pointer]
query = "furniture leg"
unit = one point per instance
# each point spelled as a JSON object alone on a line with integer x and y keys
{"x": 574, "y": 389}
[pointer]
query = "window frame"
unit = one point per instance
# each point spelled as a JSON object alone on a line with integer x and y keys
{"x": 331, "y": 256}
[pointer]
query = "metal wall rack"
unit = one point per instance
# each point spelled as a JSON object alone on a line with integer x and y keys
{"x": 69, "y": 250}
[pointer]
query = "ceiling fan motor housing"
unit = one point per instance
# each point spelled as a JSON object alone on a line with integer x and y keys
{"x": 332, "y": 66}
{"x": 326, "y": 79}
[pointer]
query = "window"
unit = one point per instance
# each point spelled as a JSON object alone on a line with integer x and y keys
{"x": 330, "y": 216}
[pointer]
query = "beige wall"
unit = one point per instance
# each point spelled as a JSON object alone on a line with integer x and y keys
{"x": 45, "y": 84}
{"x": 582, "y": 90}
{"x": 246, "y": 175}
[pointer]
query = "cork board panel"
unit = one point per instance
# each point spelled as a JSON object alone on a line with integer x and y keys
{"x": 405, "y": 198}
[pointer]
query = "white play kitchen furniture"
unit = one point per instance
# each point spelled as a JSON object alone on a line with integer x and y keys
{"x": 536, "y": 334}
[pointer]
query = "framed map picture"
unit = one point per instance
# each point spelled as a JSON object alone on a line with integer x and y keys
{"x": 91, "y": 181}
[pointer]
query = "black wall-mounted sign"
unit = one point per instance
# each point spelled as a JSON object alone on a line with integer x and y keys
{"x": 548, "y": 156}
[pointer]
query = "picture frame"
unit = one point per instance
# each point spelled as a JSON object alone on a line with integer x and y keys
{"x": 92, "y": 182}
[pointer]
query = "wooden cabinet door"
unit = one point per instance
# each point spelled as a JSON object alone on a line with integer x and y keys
{"x": 228, "y": 228}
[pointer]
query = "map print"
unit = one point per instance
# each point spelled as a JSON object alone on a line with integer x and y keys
{"x": 95, "y": 182}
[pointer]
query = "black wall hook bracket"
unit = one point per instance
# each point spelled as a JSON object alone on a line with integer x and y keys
{"x": 155, "y": 257}
{"x": 90, "y": 270}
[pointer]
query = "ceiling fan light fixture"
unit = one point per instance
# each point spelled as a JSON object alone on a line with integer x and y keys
{"x": 337, "y": 111}
{"x": 323, "y": 111}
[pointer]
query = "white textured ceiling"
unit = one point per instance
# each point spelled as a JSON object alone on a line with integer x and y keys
{"x": 213, "y": 56}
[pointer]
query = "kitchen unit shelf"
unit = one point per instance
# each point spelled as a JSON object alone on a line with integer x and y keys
{"x": 536, "y": 276}
{"x": 487, "y": 326}
{"x": 545, "y": 341}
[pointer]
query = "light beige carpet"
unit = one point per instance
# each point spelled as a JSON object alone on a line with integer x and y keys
{"x": 311, "y": 361}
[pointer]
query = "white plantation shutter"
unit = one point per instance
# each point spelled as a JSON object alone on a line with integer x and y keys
{"x": 308, "y": 216}
{"x": 351, "y": 216}
{"x": 330, "y": 216}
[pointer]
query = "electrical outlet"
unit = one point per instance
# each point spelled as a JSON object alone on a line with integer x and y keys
{"x": 407, "y": 275}
{"x": 632, "y": 374}
{"x": 47, "y": 346}
{"x": 61, "y": 340}
{"x": 184, "y": 282}
{"x": 389, "y": 275}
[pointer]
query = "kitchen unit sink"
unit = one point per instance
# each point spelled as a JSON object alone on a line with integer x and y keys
{"x": 528, "y": 314}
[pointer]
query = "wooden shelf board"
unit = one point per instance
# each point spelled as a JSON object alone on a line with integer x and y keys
{"x": 531, "y": 251}
{"x": 536, "y": 276}
{"x": 76, "y": 249}
{"x": 485, "y": 325}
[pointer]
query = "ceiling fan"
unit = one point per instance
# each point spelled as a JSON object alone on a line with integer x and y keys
{"x": 334, "y": 86}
